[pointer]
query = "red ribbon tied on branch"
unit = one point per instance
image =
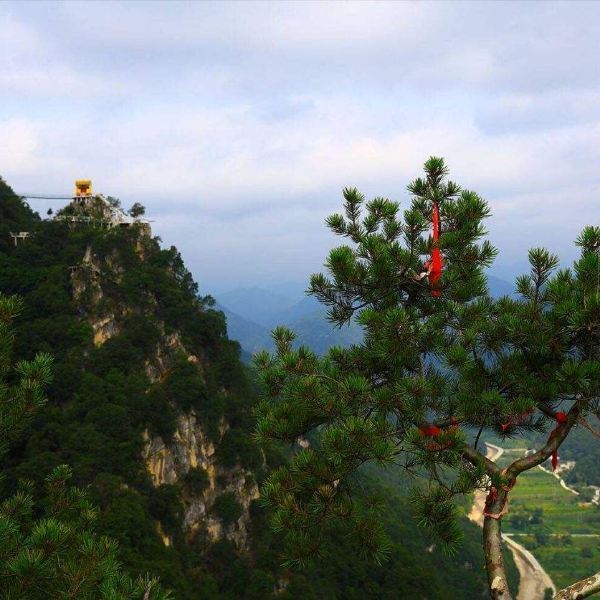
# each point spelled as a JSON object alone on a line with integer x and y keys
{"x": 433, "y": 431}
{"x": 429, "y": 430}
{"x": 436, "y": 263}
{"x": 561, "y": 419}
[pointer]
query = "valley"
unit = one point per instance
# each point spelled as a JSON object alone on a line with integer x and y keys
{"x": 550, "y": 529}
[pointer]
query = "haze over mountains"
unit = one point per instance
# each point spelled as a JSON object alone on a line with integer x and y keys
{"x": 253, "y": 312}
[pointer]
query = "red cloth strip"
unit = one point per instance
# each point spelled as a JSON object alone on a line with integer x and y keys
{"x": 437, "y": 262}
{"x": 561, "y": 419}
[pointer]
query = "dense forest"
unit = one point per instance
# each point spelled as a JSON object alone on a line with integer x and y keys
{"x": 137, "y": 351}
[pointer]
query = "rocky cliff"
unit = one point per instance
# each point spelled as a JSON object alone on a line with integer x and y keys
{"x": 95, "y": 282}
{"x": 169, "y": 463}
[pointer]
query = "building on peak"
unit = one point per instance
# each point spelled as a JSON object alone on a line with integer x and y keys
{"x": 98, "y": 210}
{"x": 83, "y": 188}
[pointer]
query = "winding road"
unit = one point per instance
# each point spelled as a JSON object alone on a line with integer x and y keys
{"x": 533, "y": 579}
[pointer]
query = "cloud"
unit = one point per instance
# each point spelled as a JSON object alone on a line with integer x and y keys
{"x": 19, "y": 147}
{"x": 245, "y": 121}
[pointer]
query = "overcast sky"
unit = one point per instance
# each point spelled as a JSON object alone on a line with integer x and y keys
{"x": 238, "y": 124}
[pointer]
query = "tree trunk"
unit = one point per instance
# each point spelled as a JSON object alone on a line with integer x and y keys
{"x": 494, "y": 559}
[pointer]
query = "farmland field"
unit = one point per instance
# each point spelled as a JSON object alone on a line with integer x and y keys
{"x": 548, "y": 520}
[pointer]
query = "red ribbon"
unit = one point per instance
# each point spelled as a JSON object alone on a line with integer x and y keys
{"x": 561, "y": 419}
{"x": 433, "y": 431}
{"x": 437, "y": 262}
{"x": 430, "y": 430}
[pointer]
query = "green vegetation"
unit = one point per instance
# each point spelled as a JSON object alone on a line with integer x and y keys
{"x": 417, "y": 566}
{"x": 197, "y": 480}
{"x": 54, "y": 551}
{"x": 227, "y": 508}
{"x": 561, "y": 511}
{"x": 59, "y": 555}
{"x": 104, "y": 398}
{"x": 366, "y": 400}
{"x": 565, "y": 558}
{"x": 440, "y": 359}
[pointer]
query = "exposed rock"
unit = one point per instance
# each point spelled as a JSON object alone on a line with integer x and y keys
{"x": 168, "y": 463}
{"x": 303, "y": 442}
{"x": 104, "y": 328}
{"x": 167, "y": 539}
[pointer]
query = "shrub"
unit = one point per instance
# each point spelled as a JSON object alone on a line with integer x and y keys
{"x": 228, "y": 509}
{"x": 197, "y": 480}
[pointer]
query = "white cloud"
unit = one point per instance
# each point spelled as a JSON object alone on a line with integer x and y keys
{"x": 246, "y": 120}
{"x": 19, "y": 146}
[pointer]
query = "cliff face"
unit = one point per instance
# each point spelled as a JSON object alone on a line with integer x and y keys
{"x": 169, "y": 463}
{"x": 189, "y": 447}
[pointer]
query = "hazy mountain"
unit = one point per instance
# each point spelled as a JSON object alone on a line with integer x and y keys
{"x": 256, "y": 304}
{"x": 313, "y": 330}
{"x": 307, "y": 305}
{"x": 306, "y": 317}
{"x": 251, "y": 335}
{"x": 499, "y": 287}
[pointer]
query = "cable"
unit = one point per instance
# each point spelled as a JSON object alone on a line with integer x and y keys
{"x": 37, "y": 196}
{"x": 45, "y": 196}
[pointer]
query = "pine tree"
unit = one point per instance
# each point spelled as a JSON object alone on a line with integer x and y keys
{"x": 21, "y": 391}
{"x": 50, "y": 552}
{"x": 438, "y": 367}
{"x": 137, "y": 210}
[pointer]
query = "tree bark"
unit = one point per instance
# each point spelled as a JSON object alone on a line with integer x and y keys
{"x": 562, "y": 431}
{"x": 581, "y": 589}
{"x": 493, "y": 551}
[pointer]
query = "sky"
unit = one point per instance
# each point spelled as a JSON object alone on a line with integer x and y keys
{"x": 238, "y": 124}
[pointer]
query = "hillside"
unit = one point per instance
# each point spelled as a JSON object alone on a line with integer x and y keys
{"x": 152, "y": 408}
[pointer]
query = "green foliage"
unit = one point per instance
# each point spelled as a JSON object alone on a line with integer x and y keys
{"x": 197, "y": 480}
{"x": 59, "y": 555}
{"x": 137, "y": 210}
{"x": 365, "y": 401}
{"x": 15, "y": 215}
{"x": 227, "y": 508}
{"x": 460, "y": 362}
{"x": 21, "y": 399}
{"x": 165, "y": 506}
{"x": 238, "y": 447}
{"x": 415, "y": 567}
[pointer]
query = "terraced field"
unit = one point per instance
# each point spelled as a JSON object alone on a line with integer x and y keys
{"x": 564, "y": 536}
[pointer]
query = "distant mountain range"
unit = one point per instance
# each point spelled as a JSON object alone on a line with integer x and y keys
{"x": 500, "y": 287}
{"x": 252, "y": 313}
{"x": 251, "y": 324}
